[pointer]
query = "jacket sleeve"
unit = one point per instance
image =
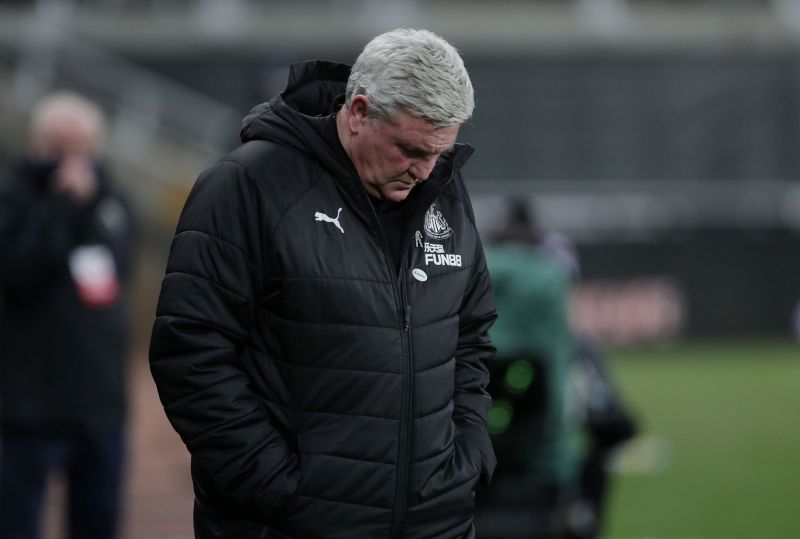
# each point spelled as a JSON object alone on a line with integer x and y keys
{"x": 474, "y": 350}
{"x": 205, "y": 314}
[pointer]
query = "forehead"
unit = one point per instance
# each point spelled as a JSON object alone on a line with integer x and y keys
{"x": 419, "y": 133}
{"x": 65, "y": 137}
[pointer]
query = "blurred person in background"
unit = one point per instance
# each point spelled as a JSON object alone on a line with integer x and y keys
{"x": 598, "y": 419}
{"x": 556, "y": 416}
{"x": 66, "y": 238}
{"x": 603, "y": 422}
{"x": 321, "y": 334}
{"x": 530, "y": 379}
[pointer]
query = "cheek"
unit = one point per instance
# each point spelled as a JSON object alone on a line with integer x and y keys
{"x": 396, "y": 161}
{"x": 383, "y": 156}
{"x": 387, "y": 161}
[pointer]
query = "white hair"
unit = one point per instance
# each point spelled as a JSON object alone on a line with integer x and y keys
{"x": 415, "y": 71}
{"x": 68, "y": 108}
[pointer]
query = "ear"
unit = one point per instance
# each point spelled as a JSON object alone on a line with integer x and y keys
{"x": 357, "y": 113}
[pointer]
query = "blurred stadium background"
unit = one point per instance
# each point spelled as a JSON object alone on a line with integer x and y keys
{"x": 662, "y": 136}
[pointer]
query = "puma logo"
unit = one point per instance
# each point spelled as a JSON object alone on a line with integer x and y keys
{"x": 322, "y": 217}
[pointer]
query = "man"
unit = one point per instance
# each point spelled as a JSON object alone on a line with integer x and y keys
{"x": 530, "y": 382}
{"x": 563, "y": 416}
{"x": 322, "y": 328}
{"x": 65, "y": 239}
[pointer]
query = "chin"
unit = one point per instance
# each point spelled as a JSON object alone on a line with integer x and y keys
{"x": 396, "y": 196}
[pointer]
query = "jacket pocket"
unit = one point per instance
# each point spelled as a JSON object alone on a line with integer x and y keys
{"x": 463, "y": 465}
{"x": 478, "y": 441}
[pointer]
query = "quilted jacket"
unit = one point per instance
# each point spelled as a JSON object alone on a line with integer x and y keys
{"x": 62, "y": 344}
{"x": 320, "y": 392}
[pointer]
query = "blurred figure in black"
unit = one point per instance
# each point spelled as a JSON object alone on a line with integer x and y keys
{"x": 597, "y": 419}
{"x": 603, "y": 423}
{"x": 555, "y": 415}
{"x": 65, "y": 248}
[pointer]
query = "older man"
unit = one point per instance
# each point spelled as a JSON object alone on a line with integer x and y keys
{"x": 65, "y": 248}
{"x": 322, "y": 328}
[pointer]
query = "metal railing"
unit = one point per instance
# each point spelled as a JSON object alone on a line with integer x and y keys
{"x": 150, "y": 116}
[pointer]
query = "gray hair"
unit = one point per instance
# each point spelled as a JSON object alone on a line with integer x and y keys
{"x": 415, "y": 71}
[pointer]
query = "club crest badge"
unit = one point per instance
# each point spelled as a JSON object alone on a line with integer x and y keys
{"x": 435, "y": 225}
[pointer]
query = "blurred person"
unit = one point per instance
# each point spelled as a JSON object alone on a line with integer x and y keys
{"x": 604, "y": 422}
{"x": 66, "y": 238}
{"x": 321, "y": 332}
{"x": 530, "y": 381}
{"x": 598, "y": 419}
{"x": 563, "y": 414}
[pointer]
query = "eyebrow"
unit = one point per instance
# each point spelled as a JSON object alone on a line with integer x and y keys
{"x": 420, "y": 151}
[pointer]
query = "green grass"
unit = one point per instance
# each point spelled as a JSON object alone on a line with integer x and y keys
{"x": 729, "y": 416}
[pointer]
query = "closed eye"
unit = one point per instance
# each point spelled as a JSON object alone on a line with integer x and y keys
{"x": 414, "y": 153}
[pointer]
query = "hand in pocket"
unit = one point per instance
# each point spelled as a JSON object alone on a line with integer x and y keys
{"x": 461, "y": 466}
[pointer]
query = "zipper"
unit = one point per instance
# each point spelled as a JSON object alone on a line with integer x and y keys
{"x": 406, "y": 406}
{"x": 400, "y": 292}
{"x": 406, "y": 411}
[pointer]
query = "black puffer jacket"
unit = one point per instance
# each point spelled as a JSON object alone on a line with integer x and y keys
{"x": 319, "y": 393}
{"x": 62, "y": 353}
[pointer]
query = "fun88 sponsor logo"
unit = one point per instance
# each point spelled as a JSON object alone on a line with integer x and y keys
{"x": 435, "y": 255}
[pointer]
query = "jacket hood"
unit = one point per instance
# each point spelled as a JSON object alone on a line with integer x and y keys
{"x": 294, "y": 117}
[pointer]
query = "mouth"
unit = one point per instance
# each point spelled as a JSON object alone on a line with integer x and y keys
{"x": 410, "y": 182}
{"x": 405, "y": 184}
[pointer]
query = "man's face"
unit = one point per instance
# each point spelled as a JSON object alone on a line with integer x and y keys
{"x": 392, "y": 156}
{"x": 64, "y": 136}
{"x": 69, "y": 143}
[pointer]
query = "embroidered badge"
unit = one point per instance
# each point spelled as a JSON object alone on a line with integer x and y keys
{"x": 436, "y": 226}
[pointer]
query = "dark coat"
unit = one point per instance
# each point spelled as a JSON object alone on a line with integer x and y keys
{"x": 62, "y": 352}
{"x": 321, "y": 393}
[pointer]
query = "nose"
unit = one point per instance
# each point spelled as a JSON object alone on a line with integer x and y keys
{"x": 422, "y": 168}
